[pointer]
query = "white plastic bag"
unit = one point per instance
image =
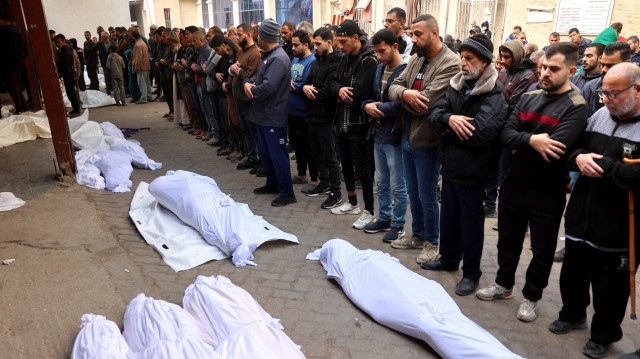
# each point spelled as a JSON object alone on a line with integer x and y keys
{"x": 136, "y": 152}
{"x": 9, "y": 201}
{"x": 99, "y": 338}
{"x": 109, "y": 129}
{"x": 116, "y": 169}
{"x": 405, "y": 301}
{"x": 232, "y": 321}
{"x": 198, "y": 202}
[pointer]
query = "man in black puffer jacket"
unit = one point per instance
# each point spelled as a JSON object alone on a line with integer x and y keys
{"x": 471, "y": 117}
{"x": 321, "y": 108}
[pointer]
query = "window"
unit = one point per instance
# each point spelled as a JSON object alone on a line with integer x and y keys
{"x": 167, "y": 18}
{"x": 251, "y": 10}
{"x": 205, "y": 14}
{"x": 222, "y": 13}
{"x": 295, "y": 11}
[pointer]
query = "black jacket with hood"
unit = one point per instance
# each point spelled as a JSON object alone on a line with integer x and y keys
{"x": 519, "y": 77}
{"x": 323, "y": 108}
{"x": 471, "y": 161}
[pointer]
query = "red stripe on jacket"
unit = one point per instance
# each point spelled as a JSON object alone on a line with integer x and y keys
{"x": 530, "y": 116}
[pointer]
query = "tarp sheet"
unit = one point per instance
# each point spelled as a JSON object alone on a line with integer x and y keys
{"x": 405, "y": 301}
{"x": 180, "y": 245}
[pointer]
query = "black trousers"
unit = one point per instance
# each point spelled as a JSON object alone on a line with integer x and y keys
{"x": 72, "y": 92}
{"x": 354, "y": 154}
{"x": 462, "y": 227}
{"x": 167, "y": 88}
{"x": 608, "y": 275}
{"x": 543, "y": 210}
{"x": 299, "y": 139}
{"x": 107, "y": 79}
{"x": 81, "y": 85}
{"x": 92, "y": 72}
{"x": 322, "y": 138}
{"x": 12, "y": 81}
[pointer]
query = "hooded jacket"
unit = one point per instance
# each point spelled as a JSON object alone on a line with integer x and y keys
{"x": 323, "y": 108}
{"x": 598, "y": 208}
{"x": 582, "y": 78}
{"x": 589, "y": 92}
{"x": 471, "y": 161}
{"x": 355, "y": 71}
{"x": 383, "y": 128}
{"x": 444, "y": 66}
{"x": 517, "y": 78}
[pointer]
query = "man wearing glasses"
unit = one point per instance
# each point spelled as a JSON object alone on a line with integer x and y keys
{"x": 615, "y": 53}
{"x": 597, "y": 221}
{"x": 395, "y": 21}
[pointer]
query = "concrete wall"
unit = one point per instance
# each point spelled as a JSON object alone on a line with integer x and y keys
{"x": 73, "y": 17}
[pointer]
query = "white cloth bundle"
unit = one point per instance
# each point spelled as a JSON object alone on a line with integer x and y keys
{"x": 198, "y": 202}
{"x": 136, "y": 152}
{"x": 407, "y": 302}
{"x": 99, "y": 338}
{"x": 26, "y": 126}
{"x": 149, "y": 326}
{"x": 94, "y": 98}
{"x": 109, "y": 129}
{"x": 116, "y": 169}
{"x": 88, "y": 173}
{"x": 9, "y": 201}
{"x": 232, "y": 321}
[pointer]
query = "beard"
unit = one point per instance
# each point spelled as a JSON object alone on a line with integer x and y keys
{"x": 243, "y": 43}
{"x": 421, "y": 51}
{"x": 625, "y": 107}
{"x": 471, "y": 74}
{"x": 551, "y": 86}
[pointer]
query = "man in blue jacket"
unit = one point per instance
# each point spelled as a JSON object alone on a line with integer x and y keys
{"x": 269, "y": 90}
{"x": 387, "y": 149}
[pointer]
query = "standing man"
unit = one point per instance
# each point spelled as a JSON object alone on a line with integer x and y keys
{"x": 597, "y": 221}
{"x": 298, "y": 124}
{"x": 288, "y": 28}
{"x": 419, "y": 89}
{"x": 581, "y": 42}
{"x": 166, "y": 75}
{"x": 615, "y": 53}
{"x": 91, "y": 60}
{"x": 67, "y": 72}
{"x": 204, "y": 50}
{"x": 190, "y": 58}
{"x": 12, "y": 62}
{"x": 103, "y": 53}
{"x": 392, "y": 188}
{"x": 634, "y": 44}
{"x": 554, "y": 38}
{"x": 352, "y": 85}
{"x": 140, "y": 67}
{"x": 270, "y": 88}
{"x": 512, "y": 35}
{"x": 320, "y": 112}
{"x": 246, "y": 65}
{"x": 395, "y": 21}
{"x": 470, "y": 118}
{"x": 544, "y": 125}
{"x": 590, "y": 65}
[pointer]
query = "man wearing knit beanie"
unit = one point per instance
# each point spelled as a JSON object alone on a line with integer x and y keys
{"x": 470, "y": 119}
{"x": 269, "y": 111}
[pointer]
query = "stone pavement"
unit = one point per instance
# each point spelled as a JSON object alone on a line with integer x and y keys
{"x": 314, "y": 310}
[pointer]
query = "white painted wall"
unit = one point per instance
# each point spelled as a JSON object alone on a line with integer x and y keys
{"x": 73, "y": 17}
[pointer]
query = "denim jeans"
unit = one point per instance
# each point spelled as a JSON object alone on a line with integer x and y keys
{"x": 390, "y": 179}
{"x": 421, "y": 171}
{"x": 208, "y": 112}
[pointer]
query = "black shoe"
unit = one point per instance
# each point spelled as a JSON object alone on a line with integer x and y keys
{"x": 331, "y": 202}
{"x": 245, "y": 165}
{"x": 218, "y": 143}
{"x": 490, "y": 212}
{"x": 254, "y": 169}
{"x": 266, "y": 190}
{"x": 634, "y": 355}
{"x": 559, "y": 256}
{"x": 318, "y": 191}
{"x": 466, "y": 286}
{"x": 260, "y": 172}
{"x": 283, "y": 201}
{"x": 437, "y": 265}
{"x": 595, "y": 350}
{"x": 560, "y": 327}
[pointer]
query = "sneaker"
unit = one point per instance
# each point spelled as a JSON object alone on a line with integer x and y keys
{"x": 245, "y": 165}
{"x": 560, "y": 327}
{"x": 559, "y": 256}
{"x": 595, "y": 350}
{"x": 283, "y": 201}
{"x": 254, "y": 169}
{"x": 490, "y": 212}
{"x": 319, "y": 191}
{"x": 309, "y": 187}
{"x": 377, "y": 226}
{"x": 297, "y": 180}
{"x": 429, "y": 252}
{"x": 634, "y": 355}
{"x": 437, "y": 265}
{"x": 466, "y": 286}
{"x": 211, "y": 140}
{"x": 412, "y": 242}
{"x": 494, "y": 291}
{"x": 332, "y": 202}
{"x": 495, "y": 227}
{"x": 364, "y": 220}
{"x": 528, "y": 311}
{"x": 393, "y": 234}
{"x": 346, "y": 208}
{"x": 208, "y": 137}
{"x": 260, "y": 172}
{"x": 375, "y": 188}
{"x": 266, "y": 190}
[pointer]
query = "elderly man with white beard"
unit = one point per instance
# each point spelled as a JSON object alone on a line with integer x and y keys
{"x": 470, "y": 117}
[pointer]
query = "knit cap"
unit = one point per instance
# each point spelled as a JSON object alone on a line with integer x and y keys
{"x": 269, "y": 31}
{"x": 480, "y": 44}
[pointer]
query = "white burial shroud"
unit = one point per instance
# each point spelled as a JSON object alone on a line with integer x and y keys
{"x": 233, "y": 322}
{"x": 196, "y": 223}
{"x": 407, "y": 302}
{"x": 99, "y": 338}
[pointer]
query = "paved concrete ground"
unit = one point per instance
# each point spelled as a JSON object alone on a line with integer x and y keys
{"x": 73, "y": 244}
